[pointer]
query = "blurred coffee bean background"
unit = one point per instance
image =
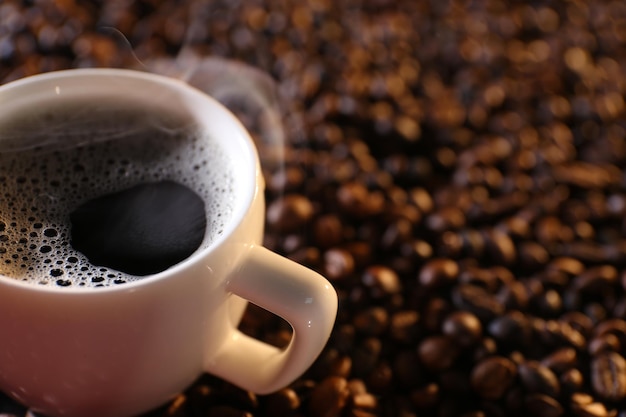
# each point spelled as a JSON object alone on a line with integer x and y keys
{"x": 455, "y": 168}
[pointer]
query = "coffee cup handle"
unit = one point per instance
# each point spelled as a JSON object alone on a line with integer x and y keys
{"x": 302, "y": 297}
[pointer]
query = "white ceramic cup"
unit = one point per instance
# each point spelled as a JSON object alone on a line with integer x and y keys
{"x": 122, "y": 350}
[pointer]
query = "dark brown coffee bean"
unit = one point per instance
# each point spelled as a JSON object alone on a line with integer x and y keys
{"x": 463, "y": 328}
{"x": 361, "y": 252}
{"x": 403, "y": 327}
{"x": 591, "y": 409}
{"x": 500, "y": 247}
{"x": 425, "y": 397}
{"x": 445, "y": 218}
{"x": 538, "y": 378}
{"x": 541, "y": 405}
{"x": 286, "y": 180}
{"x": 327, "y": 231}
{"x": 372, "y": 321}
{"x": 422, "y": 199}
{"x": 595, "y": 279}
{"x": 438, "y": 273}
{"x": 513, "y": 328}
{"x": 329, "y": 397}
{"x": 289, "y": 213}
{"x": 606, "y": 343}
{"x": 558, "y": 333}
{"x": 580, "y": 398}
{"x": 493, "y": 376}
{"x": 355, "y": 199}
{"x": 616, "y": 327}
{"x": 485, "y": 348}
{"x": 484, "y": 278}
{"x": 282, "y": 403}
{"x": 532, "y": 256}
{"x": 437, "y": 352}
{"x": 338, "y": 264}
{"x": 572, "y": 380}
{"x": 478, "y": 301}
{"x": 396, "y": 234}
{"x": 364, "y": 401}
{"x": 578, "y": 321}
{"x": 608, "y": 376}
{"x": 588, "y": 252}
{"x": 381, "y": 281}
{"x": 514, "y": 296}
{"x": 561, "y": 360}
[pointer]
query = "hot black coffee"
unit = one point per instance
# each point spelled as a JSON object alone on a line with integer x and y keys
{"x": 97, "y": 194}
{"x": 142, "y": 230}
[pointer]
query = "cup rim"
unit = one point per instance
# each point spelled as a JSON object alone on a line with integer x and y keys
{"x": 244, "y": 200}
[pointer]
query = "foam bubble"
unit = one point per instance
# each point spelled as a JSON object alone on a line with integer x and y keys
{"x": 56, "y": 158}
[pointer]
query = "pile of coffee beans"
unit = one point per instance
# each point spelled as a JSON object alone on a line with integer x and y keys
{"x": 455, "y": 168}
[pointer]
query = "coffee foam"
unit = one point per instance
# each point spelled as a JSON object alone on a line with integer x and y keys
{"x": 53, "y": 159}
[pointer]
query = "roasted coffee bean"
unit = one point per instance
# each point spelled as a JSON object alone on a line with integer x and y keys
{"x": 513, "y": 328}
{"x": 372, "y": 321}
{"x": 289, "y": 213}
{"x": 437, "y": 352}
{"x": 403, "y": 327}
{"x": 484, "y": 348}
{"x": 478, "y": 301}
{"x": 425, "y": 397}
{"x": 538, "y": 378}
{"x": 493, "y": 376}
{"x": 463, "y": 328}
{"x": 578, "y": 321}
{"x": 381, "y": 281}
{"x": 364, "y": 401}
{"x": 513, "y": 296}
{"x": 355, "y": 199}
{"x": 595, "y": 279}
{"x": 543, "y": 406}
{"x": 284, "y": 402}
{"x": 561, "y": 360}
{"x": 591, "y": 409}
{"x": 338, "y": 264}
{"x": 500, "y": 247}
{"x": 446, "y": 218}
{"x": 329, "y": 398}
{"x": 615, "y": 327}
{"x": 438, "y": 273}
{"x": 606, "y": 343}
{"x": 608, "y": 376}
{"x": 572, "y": 380}
{"x": 327, "y": 231}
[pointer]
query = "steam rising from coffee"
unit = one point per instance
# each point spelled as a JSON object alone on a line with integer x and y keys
{"x": 250, "y": 93}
